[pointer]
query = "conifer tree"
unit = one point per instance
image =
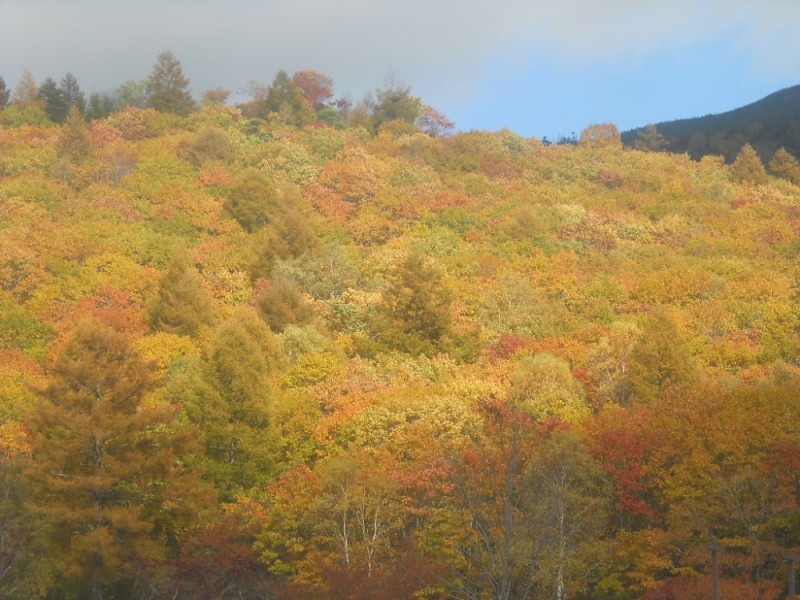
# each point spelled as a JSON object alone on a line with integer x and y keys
{"x": 227, "y": 395}
{"x": 748, "y": 168}
{"x": 72, "y": 93}
{"x": 74, "y": 140}
{"x": 415, "y": 311}
{"x": 55, "y": 103}
{"x": 100, "y": 106}
{"x": 183, "y": 305}
{"x": 286, "y": 100}
{"x": 26, "y": 93}
{"x": 168, "y": 88}
{"x": 395, "y": 102}
{"x": 786, "y": 166}
{"x": 5, "y": 94}
{"x": 106, "y": 469}
{"x": 658, "y": 360}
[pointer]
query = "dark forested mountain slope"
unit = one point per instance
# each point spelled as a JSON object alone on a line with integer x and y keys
{"x": 768, "y": 124}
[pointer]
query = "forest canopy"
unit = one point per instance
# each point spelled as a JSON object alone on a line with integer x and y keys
{"x": 300, "y": 347}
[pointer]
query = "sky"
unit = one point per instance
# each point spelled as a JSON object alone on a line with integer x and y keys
{"x": 543, "y": 68}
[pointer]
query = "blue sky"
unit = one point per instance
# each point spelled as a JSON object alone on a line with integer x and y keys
{"x": 539, "y": 67}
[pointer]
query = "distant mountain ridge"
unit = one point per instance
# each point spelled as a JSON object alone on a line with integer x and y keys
{"x": 767, "y": 125}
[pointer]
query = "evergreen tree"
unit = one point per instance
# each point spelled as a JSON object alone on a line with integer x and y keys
{"x": 227, "y": 395}
{"x": 183, "y": 305}
{"x": 285, "y": 100}
{"x": 106, "y": 469}
{"x": 5, "y": 94}
{"x": 72, "y": 93}
{"x": 395, "y": 102}
{"x": 55, "y": 103}
{"x": 168, "y": 88}
{"x": 748, "y": 168}
{"x": 100, "y": 106}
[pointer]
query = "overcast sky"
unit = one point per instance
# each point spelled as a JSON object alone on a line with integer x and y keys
{"x": 540, "y": 67}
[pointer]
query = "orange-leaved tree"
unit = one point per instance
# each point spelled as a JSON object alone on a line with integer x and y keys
{"x": 107, "y": 471}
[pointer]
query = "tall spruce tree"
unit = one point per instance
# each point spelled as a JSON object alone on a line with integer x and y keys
{"x": 55, "y": 103}
{"x": 72, "y": 93}
{"x": 5, "y": 94}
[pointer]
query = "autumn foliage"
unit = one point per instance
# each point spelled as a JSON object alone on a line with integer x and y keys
{"x": 305, "y": 348}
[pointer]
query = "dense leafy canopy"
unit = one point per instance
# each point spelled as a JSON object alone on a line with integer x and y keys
{"x": 303, "y": 348}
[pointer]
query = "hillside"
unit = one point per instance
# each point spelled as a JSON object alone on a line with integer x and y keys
{"x": 270, "y": 352}
{"x": 768, "y": 124}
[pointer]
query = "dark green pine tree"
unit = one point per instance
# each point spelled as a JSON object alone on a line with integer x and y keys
{"x": 5, "y": 94}
{"x": 286, "y": 100}
{"x": 55, "y": 103}
{"x": 72, "y": 93}
{"x": 168, "y": 88}
{"x": 100, "y": 106}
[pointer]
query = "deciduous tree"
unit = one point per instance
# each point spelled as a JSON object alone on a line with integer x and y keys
{"x": 650, "y": 139}
{"x": 26, "y": 93}
{"x": 316, "y": 87}
{"x": 601, "y": 135}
